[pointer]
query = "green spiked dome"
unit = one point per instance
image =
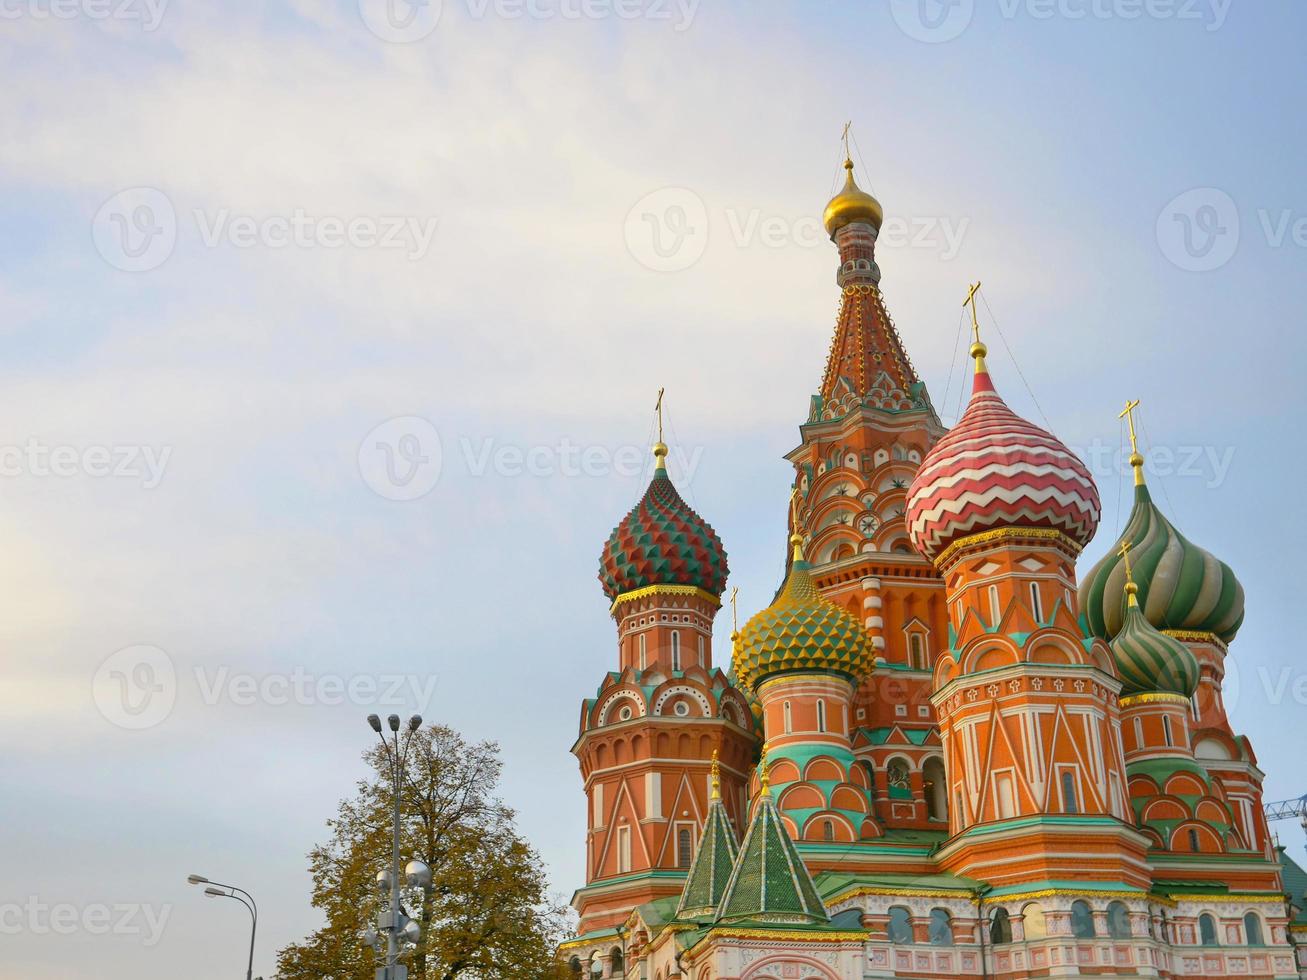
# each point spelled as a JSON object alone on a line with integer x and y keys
{"x": 713, "y": 861}
{"x": 801, "y": 631}
{"x": 662, "y": 541}
{"x": 1149, "y": 661}
{"x": 770, "y": 884}
{"x": 1181, "y": 586}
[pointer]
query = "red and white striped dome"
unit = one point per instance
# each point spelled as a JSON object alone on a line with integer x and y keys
{"x": 994, "y": 469}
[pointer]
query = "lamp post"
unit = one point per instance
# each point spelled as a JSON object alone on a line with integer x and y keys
{"x": 218, "y": 890}
{"x": 393, "y": 922}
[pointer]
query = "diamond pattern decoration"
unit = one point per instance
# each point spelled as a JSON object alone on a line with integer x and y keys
{"x": 662, "y": 541}
{"x": 799, "y": 631}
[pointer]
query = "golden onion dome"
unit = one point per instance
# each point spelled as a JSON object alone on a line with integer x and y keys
{"x": 801, "y": 631}
{"x": 850, "y": 205}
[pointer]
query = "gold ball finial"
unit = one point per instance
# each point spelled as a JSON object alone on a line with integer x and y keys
{"x": 978, "y": 349}
{"x": 660, "y": 454}
{"x": 852, "y": 204}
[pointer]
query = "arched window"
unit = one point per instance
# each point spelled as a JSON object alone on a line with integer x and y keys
{"x": 574, "y": 966}
{"x": 1082, "y": 921}
{"x": 900, "y": 925}
{"x": 1165, "y": 928}
{"x": 1166, "y": 730}
{"x": 702, "y": 648}
{"x": 941, "y": 928}
{"x": 828, "y": 830}
{"x": 1036, "y": 605}
{"x": 821, "y": 715}
{"x": 932, "y": 775}
{"x": 1118, "y": 921}
{"x": 916, "y": 650}
{"x": 1036, "y": 925}
{"x": 1000, "y": 927}
{"x": 1207, "y": 929}
{"x": 1252, "y": 930}
{"x": 644, "y": 656}
{"x": 1193, "y": 841}
{"x": 684, "y": 848}
{"x": 615, "y": 959}
{"x": 676, "y": 649}
{"x": 789, "y": 719}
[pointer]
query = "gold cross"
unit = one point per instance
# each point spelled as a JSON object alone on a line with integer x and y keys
{"x": 735, "y": 613}
{"x": 845, "y": 136}
{"x": 971, "y": 301}
{"x": 1129, "y": 415}
{"x": 1125, "y": 557}
{"x": 716, "y": 777}
{"x": 658, "y": 407}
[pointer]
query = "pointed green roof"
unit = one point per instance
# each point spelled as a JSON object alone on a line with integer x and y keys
{"x": 770, "y": 883}
{"x": 706, "y": 882}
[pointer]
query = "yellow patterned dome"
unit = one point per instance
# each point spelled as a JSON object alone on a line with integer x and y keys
{"x": 801, "y": 631}
{"x": 850, "y": 205}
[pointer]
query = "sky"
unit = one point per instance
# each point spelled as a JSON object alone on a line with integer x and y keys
{"x": 330, "y": 335}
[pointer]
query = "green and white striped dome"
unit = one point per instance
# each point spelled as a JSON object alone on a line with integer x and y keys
{"x": 1181, "y": 586}
{"x": 1149, "y": 661}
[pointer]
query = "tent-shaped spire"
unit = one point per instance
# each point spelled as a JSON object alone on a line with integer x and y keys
{"x": 770, "y": 883}
{"x": 706, "y": 883}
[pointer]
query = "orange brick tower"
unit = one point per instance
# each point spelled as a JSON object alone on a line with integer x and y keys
{"x": 1028, "y": 706}
{"x": 868, "y": 428}
{"x": 648, "y": 737}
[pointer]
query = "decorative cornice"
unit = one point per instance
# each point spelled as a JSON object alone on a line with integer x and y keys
{"x": 1196, "y": 636}
{"x": 1239, "y": 897}
{"x": 786, "y": 936}
{"x": 1154, "y": 697}
{"x": 1064, "y": 893}
{"x": 682, "y": 590}
{"x": 858, "y": 891}
{"x": 1003, "y": 534}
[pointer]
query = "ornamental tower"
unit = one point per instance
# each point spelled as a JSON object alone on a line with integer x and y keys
{"x": 803, "y": 658}
{"x": 648, "y": 737}
{"x": 1194, "y": 783}
{"x": 1027, "y": 704}
{"x": 869, "y": 426}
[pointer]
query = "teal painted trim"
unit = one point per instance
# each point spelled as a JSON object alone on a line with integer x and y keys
{"x": 862, "y": 847}
{"x": 1106, "y": 887}
{"x": 1046, "y": 819}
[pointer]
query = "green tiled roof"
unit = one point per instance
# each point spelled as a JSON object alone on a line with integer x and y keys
{"x": 770, "y": 883}
{"x": 712, "y": 866}
{"x": 1295, "y": 886}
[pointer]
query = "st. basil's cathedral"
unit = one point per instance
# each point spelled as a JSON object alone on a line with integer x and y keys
{"x": 936, "y": 753}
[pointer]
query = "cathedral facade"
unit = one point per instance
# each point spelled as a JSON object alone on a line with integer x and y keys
{"x": 940, "y": 751}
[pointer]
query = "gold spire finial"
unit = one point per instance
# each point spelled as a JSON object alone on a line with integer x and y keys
{"x": 1136, "y": 458}
{"x": 763, "y": 781}
{"x": 1130, "y": 588}
{"x": 978, "y": 349}
{"x": 660, "y": 447}
{"x": 848, "y": 157}
{"x": 735, "y": 613}
{"x": 796, "y": 526}
{"x": 716, "y": 777}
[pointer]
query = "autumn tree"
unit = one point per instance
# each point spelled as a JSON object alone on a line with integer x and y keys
{"x": 487, "y": 915}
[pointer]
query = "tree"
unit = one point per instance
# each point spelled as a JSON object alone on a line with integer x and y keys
{"x": 487, "y": 916}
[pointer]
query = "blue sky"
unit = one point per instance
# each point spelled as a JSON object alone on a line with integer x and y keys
{"x": 1059, "y": 158}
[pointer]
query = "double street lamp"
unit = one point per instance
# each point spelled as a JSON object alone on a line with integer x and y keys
{"x": 393, "y": 922}
{"x": 219, "y": 890}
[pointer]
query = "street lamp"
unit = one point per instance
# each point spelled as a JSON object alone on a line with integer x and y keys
{"x": 218, "y": 890}
{"x": 393, "y": 922}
